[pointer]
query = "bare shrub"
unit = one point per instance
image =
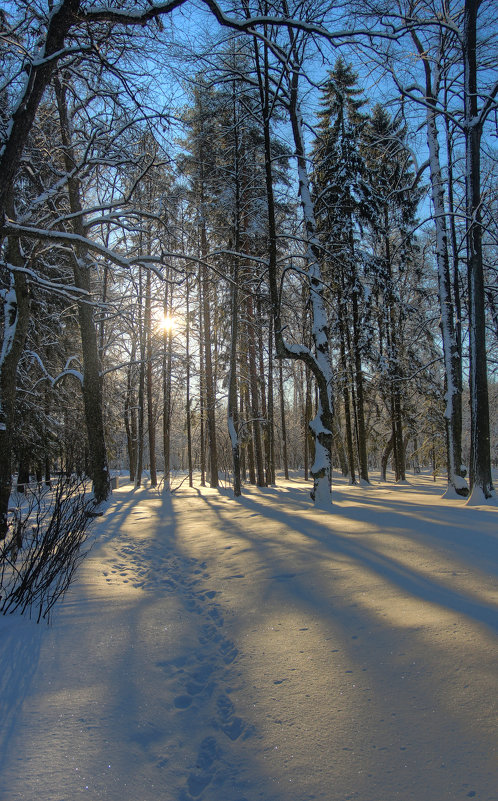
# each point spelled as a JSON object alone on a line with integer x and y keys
{"x": 43, "y": 547}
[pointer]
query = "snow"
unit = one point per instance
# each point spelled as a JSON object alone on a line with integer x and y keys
{"x": 261, "y": 649}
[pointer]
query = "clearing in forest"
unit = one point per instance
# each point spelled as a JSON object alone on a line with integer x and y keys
{"x": 260, "y": 650}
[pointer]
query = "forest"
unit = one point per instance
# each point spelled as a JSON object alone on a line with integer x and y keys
{"x": 248, "y": 400}
{"x": 243, "y": 238}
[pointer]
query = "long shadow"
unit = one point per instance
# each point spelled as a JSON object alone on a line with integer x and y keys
{"x": 444, "y": 525}
{"x": 406, "y": 579}
{"x": 439, "y": 525}
{"x": 119, "y": 511}
{"x": 364, "y": 640}
{"x": 19, "y": 659}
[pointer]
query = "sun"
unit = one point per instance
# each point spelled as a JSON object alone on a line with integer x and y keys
{"x": 167, "y": 323}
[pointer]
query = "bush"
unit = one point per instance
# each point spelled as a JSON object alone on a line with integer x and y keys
{"x": 43, "y": 547}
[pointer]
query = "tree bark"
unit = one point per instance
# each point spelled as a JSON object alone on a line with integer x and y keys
{"x": 187, "y": 389}
{"x": 16, "y": 321}
{"x": 92, "y": 378}
{"x": 450, "y": 348}
{"x": 167, "y": 365}
{"x": 282, "y": 420}
{"x": 480, "y": 452}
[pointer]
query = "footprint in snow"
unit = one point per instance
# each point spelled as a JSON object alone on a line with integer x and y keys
{"x": 203, "y": 773}
{"x": 230, "y": 724}
{"x": 182, "y": 701}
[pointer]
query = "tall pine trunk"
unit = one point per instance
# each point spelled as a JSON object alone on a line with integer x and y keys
{"x": 480, "y": 453}
{"x": 151, "y": 423}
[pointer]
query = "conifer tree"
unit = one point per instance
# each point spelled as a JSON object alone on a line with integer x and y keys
{"x": 392, "y": 181}
{"x": 343, "y": 201}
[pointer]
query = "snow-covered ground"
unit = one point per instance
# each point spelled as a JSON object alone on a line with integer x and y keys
{"x": 257, "y": 649}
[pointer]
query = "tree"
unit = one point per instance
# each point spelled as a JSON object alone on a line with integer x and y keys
{"x": 343, "y": 203}
{"x": 392, "y": 181}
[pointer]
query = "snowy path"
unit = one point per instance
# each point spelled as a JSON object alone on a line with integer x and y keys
{"x": 261, "y": 651}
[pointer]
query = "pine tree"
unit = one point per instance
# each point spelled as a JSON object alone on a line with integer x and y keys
{"x": 343, "y": 200}
{"x": 392, "y": 181}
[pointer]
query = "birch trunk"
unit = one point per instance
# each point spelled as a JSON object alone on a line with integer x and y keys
{"x": 456, "y": 481}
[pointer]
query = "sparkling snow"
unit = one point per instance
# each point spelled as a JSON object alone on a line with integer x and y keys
{"x": 262, "y": 650}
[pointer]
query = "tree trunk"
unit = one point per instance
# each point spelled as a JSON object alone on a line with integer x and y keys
{"x": 358, "y": 375}
{"x": 187, "y": 380}
{"x": 253, "y": 380}
{"x": 480, "y": 453}
{"x": 339, "y": 446}
{"x": 233, "y": 427}
{"x": 271, "y": 478}
{"x": 450, "y": 349}
{"x": 282, "y": 420}
{"x": 264, "y": 427}
{"x": 385, "y": 459}
{"x": 346, "y": 398}
{"x": 39, "y": 73}
{"x": 319, "y": 361}
{"x": 208, "y": 347}
{"x": 151, "y": 423}
{"x": 130, "y": 420}
{"x": 23, "y": 474}
{"x": 141, "y": 385}
{"x": 92, "y": 378}
{"x": 202, "y": 394}
{"x": 16, "y": 319}
{"x": 167, "y": 365}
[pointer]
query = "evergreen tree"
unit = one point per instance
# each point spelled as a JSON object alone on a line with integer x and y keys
{"x": 344, "y": 202}
{"x": 392, "y": 182}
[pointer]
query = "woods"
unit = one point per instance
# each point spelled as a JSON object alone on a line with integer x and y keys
{"x": 243, "y": 239}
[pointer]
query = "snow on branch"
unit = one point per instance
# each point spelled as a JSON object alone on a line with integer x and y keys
{"x": 67, "y": 369}
{"x": 67, "y": 290}
{"x": 127, "y": 16}
{"x": 14, "y": 229}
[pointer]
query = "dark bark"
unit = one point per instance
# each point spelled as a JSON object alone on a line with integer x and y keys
{"x": 309, "y": 443}
{"x": 151, "y": 423}
{"x": 249, "y": 441}
{"x": 187, "y": 389}
{"x": 40, "y": 71}
{"x": 167, "y": 365}
{"x": 207, "y": 343}
{"x": 345, "y": 386}
{"x": 394, "y": 366}
{"x": 270, "y": 426}
{"x": 202, "y": 396}
{"x": 282, "y": 421}
{"x": 480, "y": 452}
{"x": 232, "y": 406}
{"x": 253, "y": 381}
{"x": 264, "y": 427}
{"x": 319, "y": 361}
{"x": 130, "y": 419}
{"x": 92, "y": 379}
{"x": 141, "y": 383}
{"x": 233, "y": 421}
{"x": 358, "y": 375}
{"x": 17, "y": 311}
{"x": 23, "y": 470}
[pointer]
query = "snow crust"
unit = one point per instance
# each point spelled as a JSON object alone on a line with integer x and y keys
{"x": 239, "y": 650}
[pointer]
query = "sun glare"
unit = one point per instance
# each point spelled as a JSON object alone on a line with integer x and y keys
{"x": 168, "y": 323}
